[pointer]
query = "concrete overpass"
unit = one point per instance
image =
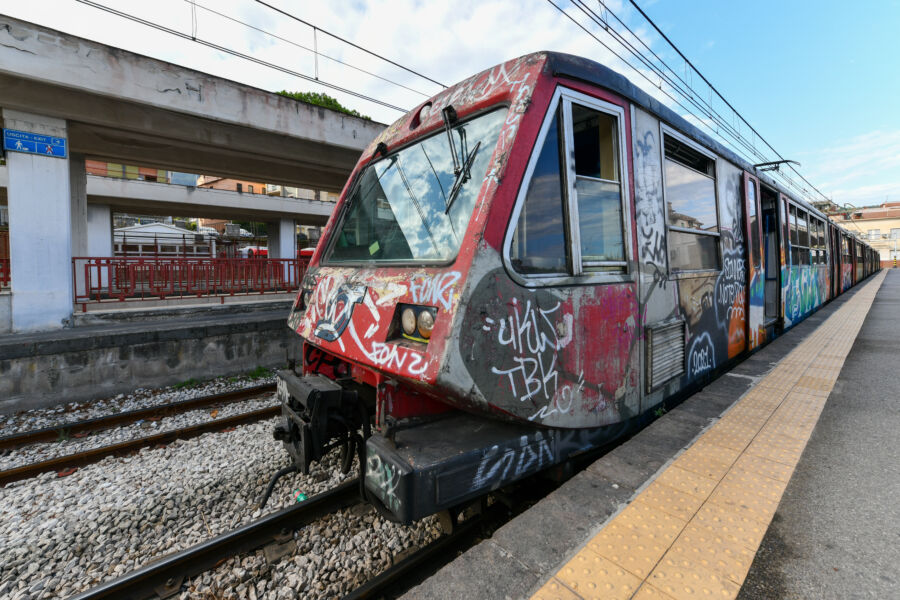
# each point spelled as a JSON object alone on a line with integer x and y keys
{"x": 113, "y": 105}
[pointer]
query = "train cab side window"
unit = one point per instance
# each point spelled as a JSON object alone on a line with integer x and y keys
{"x": 571, "y": 219}
{"x": 690, "y": 193}
{"x": 598, "y": 190}
{"x": 539, "y": 242}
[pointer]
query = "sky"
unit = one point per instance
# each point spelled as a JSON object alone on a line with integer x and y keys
{"x": 819, "y": 80}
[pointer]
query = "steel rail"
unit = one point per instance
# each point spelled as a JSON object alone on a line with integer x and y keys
{"x": 62, "y": 430}
{"x": 87, "y": 457}
{"x": 440, "y": 551}
{"x": 165, "y": 576}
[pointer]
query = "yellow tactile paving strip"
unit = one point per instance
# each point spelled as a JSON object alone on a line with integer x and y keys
{"x": 694, "y": 530}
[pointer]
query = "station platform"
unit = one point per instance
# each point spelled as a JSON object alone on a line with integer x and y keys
{"x": 777, "y": 480}
{"x": 142, "y": 348}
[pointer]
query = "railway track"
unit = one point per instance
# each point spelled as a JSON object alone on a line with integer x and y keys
{"x": 64, "y": 430}
{"x": 166, "y": 576}
{"x": 80, "y": 459}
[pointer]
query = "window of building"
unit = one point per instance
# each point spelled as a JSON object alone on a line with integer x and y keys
{"x": 874, "y": 234}
{"x": 240, "y": 187}
{"x": 690, "y": 195}
{"x": 895, "y": 233}
{"x": 250, "y": 188}
{"x": 570, "y": 222}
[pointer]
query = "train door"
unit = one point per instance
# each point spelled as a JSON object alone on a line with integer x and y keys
{"x": 834, "y": 248}
{"x": 772, "y": 258}
{"x": 755, "y": 319}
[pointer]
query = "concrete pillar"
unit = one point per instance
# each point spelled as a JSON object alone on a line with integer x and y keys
{"x": 99, "y": 230}
{"x": 99, "y": 242}
{"x": 79, "y": 208}
{"x": 40, "y": 229}
{"x": 283, "y": 243}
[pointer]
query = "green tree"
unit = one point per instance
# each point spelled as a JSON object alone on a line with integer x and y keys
{"x": 325, "y": 100}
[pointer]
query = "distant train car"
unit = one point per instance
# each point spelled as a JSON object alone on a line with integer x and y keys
{"x": 523, "y": 266}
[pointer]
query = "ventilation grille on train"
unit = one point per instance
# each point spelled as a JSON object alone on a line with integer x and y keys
{"x": 665, "y": 353}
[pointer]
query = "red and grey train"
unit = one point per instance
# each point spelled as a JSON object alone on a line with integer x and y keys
{"x": 524, "y": 265}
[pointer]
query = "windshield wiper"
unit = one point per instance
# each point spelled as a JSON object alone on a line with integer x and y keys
{"x": 462, "y": 172}
{"x": 463, "y": 176}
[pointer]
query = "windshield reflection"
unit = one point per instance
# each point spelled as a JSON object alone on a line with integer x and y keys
{"x": 399, "y": 209}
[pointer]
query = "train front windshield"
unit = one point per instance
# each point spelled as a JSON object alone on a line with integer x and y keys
{"x": 414, "y": 205}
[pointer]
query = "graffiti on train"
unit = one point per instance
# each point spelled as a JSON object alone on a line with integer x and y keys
{"x": 804, "y": 292}
{"x": 649, "y": 206}
{"x": 386, "y": 479}
{"x": 338, "y": 310}
{"x": 532, "y": 336}
{"x": 527, "y": 351}
{"x": 435, "y": 289}
{"x": 702, "y": 355}
{"x": 347, "y": 314}
{"x": 507, "y": 463}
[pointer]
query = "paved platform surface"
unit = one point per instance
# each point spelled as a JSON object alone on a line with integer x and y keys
{"x": 679, "y": 510}
{"x": 836, "y": 533}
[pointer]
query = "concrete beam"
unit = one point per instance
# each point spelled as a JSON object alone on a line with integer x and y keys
{"x": 122, "y": 107}
{"x": 127, "y": 195}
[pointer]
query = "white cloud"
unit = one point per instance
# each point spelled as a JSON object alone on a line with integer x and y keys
{"x": 862, "y": 170}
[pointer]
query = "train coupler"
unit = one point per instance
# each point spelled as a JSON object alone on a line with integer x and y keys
{"x": 319, "y": 415}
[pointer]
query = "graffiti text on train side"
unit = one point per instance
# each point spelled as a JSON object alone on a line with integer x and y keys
{"x": 502, "y": 464}
{"x": 396, "y": 357}
{"x": 730, "y": 288}
{"x": 701, "y": 357}
{"x": 534, "y": 339}
{"x": 434, "y": 289}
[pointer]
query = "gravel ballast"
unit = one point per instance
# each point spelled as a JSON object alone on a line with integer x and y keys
{"x": 140, "y": 398}
{"x": 63, "y": 535}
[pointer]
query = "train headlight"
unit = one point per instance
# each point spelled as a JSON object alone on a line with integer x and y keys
{"x": 425, "y": 321}
{"x": 408, "y": 321}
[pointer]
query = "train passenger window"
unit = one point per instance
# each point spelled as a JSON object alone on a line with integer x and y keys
{"x": 795, "y": 238}
{"x": 803, "y": 230}
{"x": 539, "y": 242}
{"x": 597, "y": 189}
{"x": 690, "y": 193}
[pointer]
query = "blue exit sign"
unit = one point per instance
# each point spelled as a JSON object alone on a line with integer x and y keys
{"x": 33, "y": 143}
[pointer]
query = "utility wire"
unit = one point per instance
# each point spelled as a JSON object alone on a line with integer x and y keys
{"x": 301, "y": 46}
{"x": 220, "y": 48}
{"x": 348, "y": 42}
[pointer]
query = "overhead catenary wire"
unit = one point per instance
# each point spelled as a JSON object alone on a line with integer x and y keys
{"x": 707, "y": 110}
{"x": 315, "y": 51}
{"x": 348, "y": 42}
{"x": 709, "y": 117}
{"x": 713, "y": 88}
{"x": 691, "y": 96}
{"x": 237, "y": 54}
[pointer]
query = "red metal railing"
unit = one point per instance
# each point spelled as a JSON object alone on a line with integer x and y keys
{"x": 4, "y": 272}
{"x": 98, "y": 279}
